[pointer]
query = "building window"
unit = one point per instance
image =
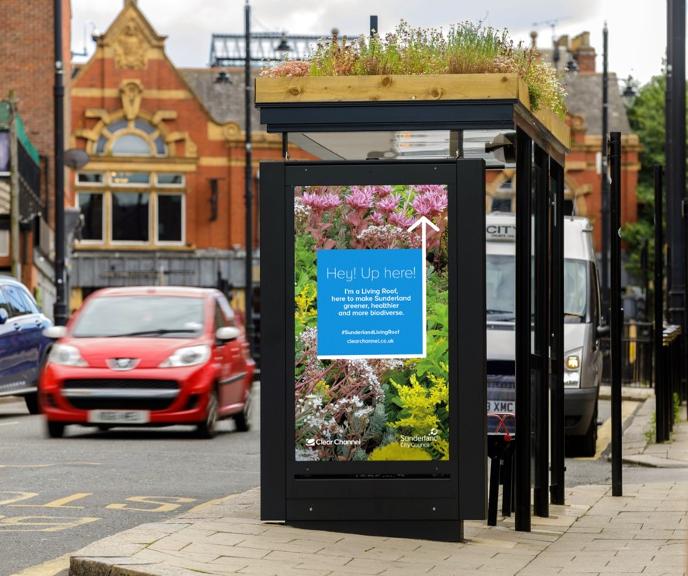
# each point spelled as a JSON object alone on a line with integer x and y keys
{"x": 131, "y": 138}
{"x": 170, "y": 217}
{"x": 130, "y": 178}
{"x": 130, "y": 222}
{"x": 4, "y": 242}
{"x": 92, "y": 178}
{"x": 132, "y": 208}
{"x": 172, "y": 179}
{"x": 91, "y": 206}
{"x": 131, "y": 145}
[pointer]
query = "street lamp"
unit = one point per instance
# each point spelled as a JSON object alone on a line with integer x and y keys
{"x": 283, "y": 47}
{"x": 629, "y": 92}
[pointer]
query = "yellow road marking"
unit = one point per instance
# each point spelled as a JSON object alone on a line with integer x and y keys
{"x": 20, "y": 496}
{"x": 49, "y": 568}
{"x": 165, "y": 503}
{"x": 604, "y": 432}
{"x": 42, "y": 523}
{"x": 59, "y": 503}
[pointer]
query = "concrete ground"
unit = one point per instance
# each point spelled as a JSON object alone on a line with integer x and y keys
{"x": 643, "y": 532}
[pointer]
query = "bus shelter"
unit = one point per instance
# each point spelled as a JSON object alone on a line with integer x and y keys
{"x": 373, "y": 386}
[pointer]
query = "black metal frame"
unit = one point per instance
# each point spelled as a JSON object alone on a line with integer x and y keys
{"x": 616, "y": 309}
{"x": 457, "y": 116}
{"x": 558, "y": 440}
{"x": 376, "y": 497}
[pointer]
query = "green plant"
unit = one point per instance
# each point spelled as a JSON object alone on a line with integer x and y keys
{"x": 676, "y": 405}
{"x": 465, "y": 48}
{"x": 650, "y": 433}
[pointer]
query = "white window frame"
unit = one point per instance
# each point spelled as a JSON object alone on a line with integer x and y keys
{"x": 100, "y": 184}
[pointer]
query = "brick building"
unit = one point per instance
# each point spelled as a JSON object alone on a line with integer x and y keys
{"x": 162, "y": 197}
{"x": 26, "y": 72}
{"x": 575, "y": 58}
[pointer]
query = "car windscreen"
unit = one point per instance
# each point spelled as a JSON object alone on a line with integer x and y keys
{"x": 140, "y": 316}
{"x": 500, "y": 281}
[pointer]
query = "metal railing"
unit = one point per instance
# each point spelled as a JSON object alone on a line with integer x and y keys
{"x": 668, "y": 381}
{"x": 637, "y": 349}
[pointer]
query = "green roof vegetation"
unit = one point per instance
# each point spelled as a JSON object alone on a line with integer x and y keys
{"x": 465, "y": 48}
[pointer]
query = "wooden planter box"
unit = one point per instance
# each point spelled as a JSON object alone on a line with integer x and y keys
{"x": 393, "y": 88}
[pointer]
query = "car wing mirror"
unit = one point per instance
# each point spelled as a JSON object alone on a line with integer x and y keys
{"x": 4, "y": 316}
{"x": 603, "y": 330}
{"x": 227, "y": 333}
{"x": 55, "y": 332}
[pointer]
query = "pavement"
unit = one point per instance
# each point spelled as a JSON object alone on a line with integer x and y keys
{"x": 642, "y": 532}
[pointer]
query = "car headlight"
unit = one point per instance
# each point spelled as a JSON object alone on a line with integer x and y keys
{"x": 572, "y": 368}
{"x": 189, "y": 356}
{"x": 66, "y": 355}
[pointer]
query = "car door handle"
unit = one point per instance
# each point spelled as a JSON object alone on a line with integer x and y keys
{"x": 17, "y": 326}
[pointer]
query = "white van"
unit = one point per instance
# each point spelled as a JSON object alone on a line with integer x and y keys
{"x": 583, "y": 356}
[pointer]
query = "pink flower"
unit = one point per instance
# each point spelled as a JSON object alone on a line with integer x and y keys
{"x": 400, "y": 220}
{"x": 389, "y": 203}
{"x": 431, "y": 203}
{"x": 382, "y": 191}
{"x": 377, "y": 219}
{"x": 430, "y": 188}
{"x": 320, "y": 202}
{"x": 361, "y": 198}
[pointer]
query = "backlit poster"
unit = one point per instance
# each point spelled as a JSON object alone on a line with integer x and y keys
{"x": 371, "y": 323}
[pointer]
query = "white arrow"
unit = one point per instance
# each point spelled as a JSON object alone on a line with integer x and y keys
{"x": 423, "y": 222}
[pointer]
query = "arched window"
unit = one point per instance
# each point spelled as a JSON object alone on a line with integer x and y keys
{"x": 131, "y": 138}
{"x": 131, "y": 145}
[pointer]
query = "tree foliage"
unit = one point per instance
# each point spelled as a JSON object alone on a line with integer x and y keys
{"x": 646, "y": 117}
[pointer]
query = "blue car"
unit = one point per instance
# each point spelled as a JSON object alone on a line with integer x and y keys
{"x": 23, "y": 348}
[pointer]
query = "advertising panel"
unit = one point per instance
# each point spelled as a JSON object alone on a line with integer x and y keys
{"x": 371, "y": 323}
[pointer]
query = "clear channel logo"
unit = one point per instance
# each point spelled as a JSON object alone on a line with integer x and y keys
{"x": 315, "y": 442}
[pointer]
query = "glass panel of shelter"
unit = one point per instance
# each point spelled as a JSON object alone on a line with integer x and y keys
{"x": 497, "y": 147}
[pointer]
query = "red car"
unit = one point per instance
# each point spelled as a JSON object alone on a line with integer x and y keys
{"x": 148, "y": 357}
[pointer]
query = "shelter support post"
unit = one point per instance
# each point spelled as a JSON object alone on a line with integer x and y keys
{"x": 541, "y": 313}
{"x": 556, "y": 302}
{"x": 524, "y": 162}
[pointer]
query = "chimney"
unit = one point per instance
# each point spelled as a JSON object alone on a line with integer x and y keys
{"x": 583, "y": 53}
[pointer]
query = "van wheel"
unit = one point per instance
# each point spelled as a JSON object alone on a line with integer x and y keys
{"x": 208, "y": 428}
{"x": 242, "y": 420}
{"x": 55, "y": 429}
{"x": 588, "y": 442}
{"x": 32, "y": 403}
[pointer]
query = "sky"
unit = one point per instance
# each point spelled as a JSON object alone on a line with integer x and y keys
{"x": 637, "y": 28}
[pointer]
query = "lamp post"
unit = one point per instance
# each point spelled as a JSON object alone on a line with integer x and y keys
{"x": 60, "y": 309}
{"x": 248, "y": 180}
{"x": 603, "y": 169}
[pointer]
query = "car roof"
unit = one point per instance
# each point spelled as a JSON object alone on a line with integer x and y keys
{"x": 183, "y": 291}
{"x": 10, "y": 280}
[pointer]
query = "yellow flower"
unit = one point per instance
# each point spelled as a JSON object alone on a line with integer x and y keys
{"x": 396, "y": 451}
{"x": 305, "y": 309}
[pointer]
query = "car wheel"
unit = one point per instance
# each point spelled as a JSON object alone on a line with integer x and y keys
{"x": 242, "y": 420}
{"x": 208, "y": 428}
{"x": 55, "y": 429}
{"x": 32, "y": 403}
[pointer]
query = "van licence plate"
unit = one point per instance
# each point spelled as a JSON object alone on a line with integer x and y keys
{"x": 501, "y": 406}
{"x": 118, "y": 416}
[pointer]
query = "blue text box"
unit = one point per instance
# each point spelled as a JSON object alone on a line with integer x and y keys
{"x": 370, "y": 303}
